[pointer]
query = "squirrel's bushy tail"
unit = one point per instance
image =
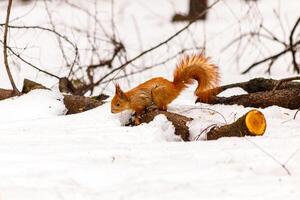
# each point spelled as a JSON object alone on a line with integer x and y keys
{"x": 197, "y": 67}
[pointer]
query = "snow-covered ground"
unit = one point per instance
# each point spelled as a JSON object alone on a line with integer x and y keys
{"x": 47, "y": 155}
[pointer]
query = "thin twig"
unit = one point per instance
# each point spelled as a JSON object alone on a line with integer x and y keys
{"x": 87, "y": 12}
{"x": 44, "y": 29}
{"x": 282, "y": 165}
{"x": 28, "y": 63}
{"x": 206, "y": 130}
{"x": 152, "y": 65}
{"x": 209, "y": 109}
{"x": 275, "y": 56}
{"x": 291, "y": 156}
{"x": 295, "y": 115}
{"x": 59, "y": 35}
{"x": 288, "y": 48}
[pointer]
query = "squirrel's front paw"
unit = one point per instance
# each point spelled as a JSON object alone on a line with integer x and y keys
{"x": 137, "y": 120}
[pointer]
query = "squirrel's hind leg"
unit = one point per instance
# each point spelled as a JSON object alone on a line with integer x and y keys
{"x": 159, "y": 97}
{"x": 152, "y": 107}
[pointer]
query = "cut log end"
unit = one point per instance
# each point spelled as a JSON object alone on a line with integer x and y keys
{"x": 255, "y": 122}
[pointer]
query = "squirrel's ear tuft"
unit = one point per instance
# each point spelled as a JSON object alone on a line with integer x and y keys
{"x": 119, "y": 92}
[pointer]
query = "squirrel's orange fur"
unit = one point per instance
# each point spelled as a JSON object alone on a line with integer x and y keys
{"x": 159, "y": 92}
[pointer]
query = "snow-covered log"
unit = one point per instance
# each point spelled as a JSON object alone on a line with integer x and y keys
{"x": 178, "y": 121}
{"x": 74, "y": 103}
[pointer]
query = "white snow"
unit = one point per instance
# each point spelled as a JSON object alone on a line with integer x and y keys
{"x": 37, "y": 104}
{"x": 47, "y": 155}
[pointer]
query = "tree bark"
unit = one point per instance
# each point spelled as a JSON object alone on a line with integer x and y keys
{"x": 77, "y": 104}
{"x": 29, "y": 85}
{"x": 262, "y": 93}
{"x": 258, "y": 85}
{"x": 197, "y": 7}
{"x": 4, "y": 94}
{"x": 286, "y": 98}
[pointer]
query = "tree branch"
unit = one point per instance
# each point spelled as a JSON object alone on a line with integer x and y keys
{"x": 15, "y": 89}
{"x": 293, "y": 51}
{"x": 275, "y": 56}
{"x": 28, "y": 63}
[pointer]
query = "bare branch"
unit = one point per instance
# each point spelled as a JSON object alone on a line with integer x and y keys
{"x": 44, "y": 29}
{"x": 272, "y": 57}
{"x": 15, "y": 89}
{"x": 293, "y": 50}
{"x": 288, "y": 48}
{"x": 28, "y": 63}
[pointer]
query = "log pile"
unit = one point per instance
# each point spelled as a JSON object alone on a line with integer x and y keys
{"x": 261, "y": 93}
{"x": 253, "y": 123}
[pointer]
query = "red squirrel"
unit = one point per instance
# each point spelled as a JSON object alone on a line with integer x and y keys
{"x": 159, "y": 92}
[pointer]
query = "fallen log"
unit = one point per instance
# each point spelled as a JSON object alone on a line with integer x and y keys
{"x": 77, "y": 104}
{"x": 262, "y": 93}
{"x": 286, "y": 98}
{"x": 4, "y": 94}
{"x": 253, "y": 123}
{"x": 29, "y": 85}
{"x": 178, "y": 121}
{"x": 74, "y": 103}
{"x": 259, "y": 85}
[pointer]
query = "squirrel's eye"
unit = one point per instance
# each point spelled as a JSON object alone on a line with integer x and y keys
{"x": 118, "y": 104}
